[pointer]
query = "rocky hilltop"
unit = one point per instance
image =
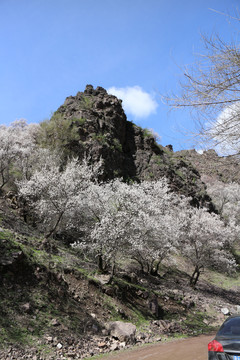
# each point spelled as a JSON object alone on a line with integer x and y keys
{"x": 213, "y": 167}
{"x": 127, "y": 150}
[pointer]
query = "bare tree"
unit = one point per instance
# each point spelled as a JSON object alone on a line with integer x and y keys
{"x": 211, "y": 89}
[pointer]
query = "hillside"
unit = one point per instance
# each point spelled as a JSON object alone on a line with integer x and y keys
{"x": 213, "y": 167}
{"x": 56, "y": 302}
{"x": 55, "y": 305}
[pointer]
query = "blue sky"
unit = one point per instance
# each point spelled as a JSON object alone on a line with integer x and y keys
{"x": 50, "y": 49}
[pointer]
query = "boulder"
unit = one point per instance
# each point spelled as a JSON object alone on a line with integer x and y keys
{"x": 124, "y": 332}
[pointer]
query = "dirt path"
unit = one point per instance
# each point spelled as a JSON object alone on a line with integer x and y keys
{"x": 188, "y": 349}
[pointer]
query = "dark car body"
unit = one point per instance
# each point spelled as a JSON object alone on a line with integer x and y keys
{"x": 226, "y": 344}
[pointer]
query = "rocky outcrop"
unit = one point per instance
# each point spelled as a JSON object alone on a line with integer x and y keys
{"x": 127, "y": 150}
{"x": 211, "y": 166}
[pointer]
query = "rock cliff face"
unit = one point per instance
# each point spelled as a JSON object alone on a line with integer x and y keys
{"x": 127, "y": 150}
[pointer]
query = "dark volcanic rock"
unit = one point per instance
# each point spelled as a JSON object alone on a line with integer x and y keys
{"x": 127, "y": 150}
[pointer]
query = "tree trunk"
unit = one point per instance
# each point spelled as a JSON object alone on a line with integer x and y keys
{"x": 112, "y": 271}
{"x": 195, "y": 276}
{"x": 55, "y": 227}
{"x": 100, "y": 263}
{"x": 154, "y": 271}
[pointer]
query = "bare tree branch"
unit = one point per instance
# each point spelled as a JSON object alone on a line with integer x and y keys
{"x": 211, "y": 89}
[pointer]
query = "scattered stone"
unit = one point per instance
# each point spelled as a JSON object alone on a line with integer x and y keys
{"x": 122, "y": 313}
{"x": 165, "y": 327}
{"x": 102, "y": 344}
{"x": 55, "y": 341}
{"x": 225, "y": 311}
{"x": 122, "y": 344}
{"x": 59, "y": 346}
{"x": 141, "y": 336}
{"x": 55, "y": 322}
{"x": 49, "y": 339}
{"x": 26, "y": 308}
{"x": 114, "y": 347}
{"x": 103, "y": 279}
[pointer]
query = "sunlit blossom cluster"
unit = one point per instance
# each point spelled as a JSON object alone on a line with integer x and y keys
{"x": 112, "y": 221}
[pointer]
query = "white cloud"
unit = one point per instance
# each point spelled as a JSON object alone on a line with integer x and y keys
{"x": 226, "y": 129}
{"x": 136, "y": 101}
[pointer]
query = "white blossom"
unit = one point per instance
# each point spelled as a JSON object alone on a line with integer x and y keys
{"x": 226, "y": 198}
{"x": 138, "y": 221}
{"x": 205, "y": 241}
{"x": 56, "y": 195}
{"x": 17, "y": 150}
